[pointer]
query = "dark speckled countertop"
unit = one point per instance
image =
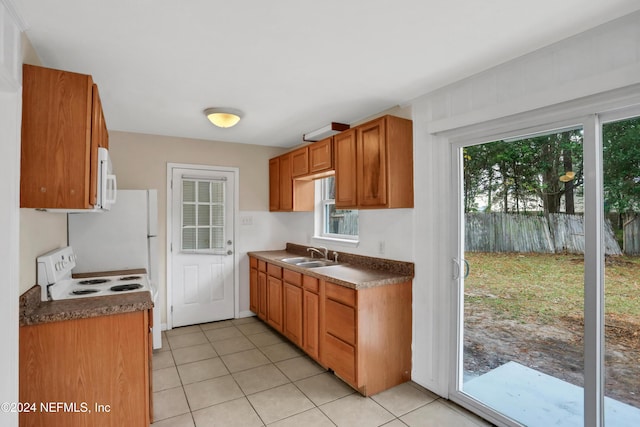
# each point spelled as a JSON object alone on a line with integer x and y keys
{"x": 33, "y": 311}
{"x": 352, "y": 271}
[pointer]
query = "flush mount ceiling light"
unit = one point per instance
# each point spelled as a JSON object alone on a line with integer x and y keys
{"x": 223, "y": 117}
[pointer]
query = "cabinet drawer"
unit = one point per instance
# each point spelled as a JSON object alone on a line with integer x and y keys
{"x": 342, "y": 294}
{"x": 340, "y": 321}
{"x": 262, "y": 266}
{"x": 274, "y": 271}
{"x": 253, "y": 263}
{"x": 292, "y": 277}
{"x": 341, "y": 357}
{"x": 310, "y": 283}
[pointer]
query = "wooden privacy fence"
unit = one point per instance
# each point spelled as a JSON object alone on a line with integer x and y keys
{"x": 632, "y": 236}
{"x": 502, "y": 232}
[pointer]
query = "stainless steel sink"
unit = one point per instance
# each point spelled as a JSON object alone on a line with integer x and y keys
{"x": 308, "y": 262}
{"x": 316, "y": 263}
{"x": 297, "y": 260}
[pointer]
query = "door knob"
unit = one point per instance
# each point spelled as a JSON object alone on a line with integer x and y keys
{"x": 229, "y": 252}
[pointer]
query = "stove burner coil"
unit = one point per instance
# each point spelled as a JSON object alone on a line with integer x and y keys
{"x": 93, "y": 282}
{"x": 127, "y": 287}
{"x": 84, "y": 291}
{"x": 131, "y": 278}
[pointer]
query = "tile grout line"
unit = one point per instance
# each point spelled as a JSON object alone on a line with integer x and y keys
{"x": 290, "y": 380}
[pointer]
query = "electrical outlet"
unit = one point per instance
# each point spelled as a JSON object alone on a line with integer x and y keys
{"x": 381, "y": 247}
{"x": 246, "y": 220}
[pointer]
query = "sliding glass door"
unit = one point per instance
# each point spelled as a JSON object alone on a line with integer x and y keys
{"x": 621, "y": 192}
{"x": 548, "y": 275}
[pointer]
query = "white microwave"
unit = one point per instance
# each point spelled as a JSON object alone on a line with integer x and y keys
{"x": 107, "y": 185}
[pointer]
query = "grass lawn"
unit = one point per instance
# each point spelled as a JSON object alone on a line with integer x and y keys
{"x": 544, "y": 287}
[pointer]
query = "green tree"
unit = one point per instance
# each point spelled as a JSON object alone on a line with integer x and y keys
{"x": 526, "y": 172}
{"x": 621, "y": 160}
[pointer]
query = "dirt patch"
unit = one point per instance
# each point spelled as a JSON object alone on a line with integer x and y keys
{"x": 555, "y": 349}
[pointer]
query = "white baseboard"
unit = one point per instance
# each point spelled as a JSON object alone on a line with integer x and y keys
{"x": 247, "y": 313}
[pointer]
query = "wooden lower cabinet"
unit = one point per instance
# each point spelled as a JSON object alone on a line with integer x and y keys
{"x": 274, "y": 297}
{"x": 292, "y": 304}
{"x": 363, "y": 335}
{"x": 293, "y": 313}
{"x": 311, "y": 317}
{"x": 253, "y": 285}
{"x": 99, "y": 367}
{"x": 262, "y": 290}
{"x": 366, "y": 335}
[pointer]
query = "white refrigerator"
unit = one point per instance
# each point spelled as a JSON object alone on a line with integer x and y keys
{"x": 125, "y": 237}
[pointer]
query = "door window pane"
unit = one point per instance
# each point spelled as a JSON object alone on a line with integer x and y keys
{"x": 203, "y": 219}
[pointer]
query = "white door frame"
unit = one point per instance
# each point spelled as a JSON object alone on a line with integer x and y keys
{"x": 169, "y": 221}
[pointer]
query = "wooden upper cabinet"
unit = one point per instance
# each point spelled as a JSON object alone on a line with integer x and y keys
{"x": 371, "y": 164}
{"x": 321, "y": 156}
{"x": 274, "y": 184}
{"x": 344, "y": 145}
{"x": 99, "y": 131}
{"x": 381, "y": 176}
{"x": 286, "y": 183}
{"x": 286, "y": 193}
{"x": 62, "y": 128}
{"x": 300, "y": 162}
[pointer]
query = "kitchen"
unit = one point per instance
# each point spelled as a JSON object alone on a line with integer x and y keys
{"x": 140, "y": 160}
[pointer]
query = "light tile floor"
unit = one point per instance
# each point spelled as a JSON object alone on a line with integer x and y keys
{"x": 241, "y": 373}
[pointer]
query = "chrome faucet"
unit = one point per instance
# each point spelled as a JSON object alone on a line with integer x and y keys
{"x": 324, "y": 252}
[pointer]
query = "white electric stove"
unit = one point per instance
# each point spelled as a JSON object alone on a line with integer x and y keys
{"x": 56, "y": 283}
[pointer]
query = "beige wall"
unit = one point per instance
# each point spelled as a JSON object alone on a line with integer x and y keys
{"x": 40, "y": 232}
{"x": 140, "y": 161}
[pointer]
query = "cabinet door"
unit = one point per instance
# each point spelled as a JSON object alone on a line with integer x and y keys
{"x": 111, "y": 369}
{"x": 293, "y": 313}
{"x": 286, "y": 183}
{"x": 253, "y": 290}
{"x": 371, "y": 165}
{"x": 274, "y": 184}
{"x": 262, "y": 295}
{"x": 345, "y": 161}
{"x": 300, "y": 162}
{"x": 310, "y": 323}
{"x": 274, "y": 302}
{"x": 321, "y": 156}
{"x": 98, "y": 132}
{"x": 56, "y": 139}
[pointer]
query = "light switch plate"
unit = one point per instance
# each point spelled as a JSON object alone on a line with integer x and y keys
{"x": 246, "y": 220}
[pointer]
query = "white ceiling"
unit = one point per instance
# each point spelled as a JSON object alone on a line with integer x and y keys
{"x": 292, "y": 66}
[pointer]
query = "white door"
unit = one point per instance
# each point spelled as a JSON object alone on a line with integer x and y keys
{"x": 202, "y": 245}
